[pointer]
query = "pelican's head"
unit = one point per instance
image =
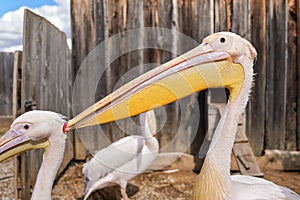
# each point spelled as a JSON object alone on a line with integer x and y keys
{"x": 32, "y": 130}
{"x": 238, "y": 48}
{"x": 222, "y": 60}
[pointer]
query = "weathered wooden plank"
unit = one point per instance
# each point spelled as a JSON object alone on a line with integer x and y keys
{"x": 82, "y": 16}
{"x": 221, "y": 22}
{"x": 17, "y": 73}
{"x": 222, "y": 15}
{"x": 89, "y": 20}
{"x": 256, "y": 110}
{"x": 291, "y": 79}
{"x": 117, "y": 24}
{"x": 276, "y": 74}
{"x": 44, "y": 69}
{"x": 204, "y": 26}
{"x": 240, "y": 23}
{"x": 164, "y": 115}
{"x": 205, "y": 19}
{"x": 298, "y": 74}
{"x": 6, "y": 74}
{"x": 16, "y": 111}
{"x": 31, "y": 66}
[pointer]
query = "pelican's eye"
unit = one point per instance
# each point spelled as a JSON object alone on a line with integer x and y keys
{"x": 26, "y": 126}
{"x": 222, "y": 40}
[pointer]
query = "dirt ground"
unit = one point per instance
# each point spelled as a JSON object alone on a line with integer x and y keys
{"x": 157, "y": 185}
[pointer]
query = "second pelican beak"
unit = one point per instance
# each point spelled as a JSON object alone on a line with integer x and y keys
{"x": 12, "y": 143}
{"x": 196, "y": 70}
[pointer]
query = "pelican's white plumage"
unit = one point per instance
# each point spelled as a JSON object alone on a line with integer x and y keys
{"x": 249, "y": 188}
{"x": 123, "y": 159}
{"x": 214, "y": 181}
{"x": 38, "y": 129}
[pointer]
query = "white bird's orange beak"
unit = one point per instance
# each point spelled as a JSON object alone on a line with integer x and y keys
{"x": 196, "y": 70}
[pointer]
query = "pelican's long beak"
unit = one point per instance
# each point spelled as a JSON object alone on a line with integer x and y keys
{"x": 196, "y": 70}
{"x": 12, "y": 143}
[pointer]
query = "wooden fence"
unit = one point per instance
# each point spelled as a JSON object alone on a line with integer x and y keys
{"x": 42, "y": 80}
{"x": 272, "y": 27}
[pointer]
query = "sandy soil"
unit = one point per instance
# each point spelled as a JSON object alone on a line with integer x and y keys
{"x": 166, "y": 185}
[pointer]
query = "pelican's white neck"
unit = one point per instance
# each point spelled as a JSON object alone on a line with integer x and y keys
{"x": 214, "y": 180}
{"x": 51, "y": 162}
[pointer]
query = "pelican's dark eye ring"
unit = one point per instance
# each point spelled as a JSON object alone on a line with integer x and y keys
{"x": 26, "y": 126}
{"x": 222, "y": 40}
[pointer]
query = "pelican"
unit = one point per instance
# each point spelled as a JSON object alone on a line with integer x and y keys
{"x": 33, "y": 130}
{"x": 222, "y": 60}
{"x": 123, "y": 159}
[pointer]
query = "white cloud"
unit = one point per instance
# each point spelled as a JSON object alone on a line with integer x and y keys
{"x": 11, "y": 23}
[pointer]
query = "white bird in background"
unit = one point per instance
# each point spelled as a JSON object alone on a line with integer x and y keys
{"x": 124, "y": 159}
{"x": 222, "y": 60}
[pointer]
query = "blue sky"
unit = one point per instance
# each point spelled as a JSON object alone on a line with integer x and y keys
{"x": 11, "y": 5}
{"x": 11, "y": 19}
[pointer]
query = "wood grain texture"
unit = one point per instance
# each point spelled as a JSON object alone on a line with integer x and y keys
{"x": 17, "y": 73}
{"x": 46, "y": 84}
{"x": 291, "y": 78}
{"x": 298, "y": 74}
{"x": 256, "y": 110}
{"x": 6, "y": 80}
{"x": 276, "y": 74}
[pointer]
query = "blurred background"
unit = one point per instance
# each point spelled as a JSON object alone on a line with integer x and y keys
{"x": 54, "y": 38}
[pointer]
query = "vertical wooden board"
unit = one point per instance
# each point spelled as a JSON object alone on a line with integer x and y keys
{"x": 240, "y": 23}
{"x": 151, "y": 10}
{"x": 204, "y": 26}
{"x": 256, "y": 110}
{"x": 204, "y": 19}
{"x": 189, "y": 109}
{"x": 16, "y": 111}
{"x": 163, "y": 14}
{"x": 222, "y": 14}
{"x": 298, "y": 74}
{"x": 90, "y": 22}
{"x": 85, "y": 87}
{"x": 16, "y": 106}
{"x": 117, "y": 13}
{"x": 28, "y": 93}
{"x": 291, "y": 78}
{"x": 82, "y": 42}
{"x": 41, "y": 72}
{"x": 167, "y": 41}
{"x": 165, "y": 19}
{"x": 6, "y": 81}
{"x": 134, "y": 20}
{"x": 83, "y": 32}
{"x": 276, "y": 74}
